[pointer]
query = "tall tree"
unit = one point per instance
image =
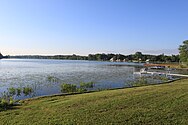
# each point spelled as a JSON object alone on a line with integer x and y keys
{"x": 138, "y": 55}
{"x": 1, "y": 56}
{"x": 183, "y": 50}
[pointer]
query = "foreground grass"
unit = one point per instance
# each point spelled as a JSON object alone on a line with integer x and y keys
{"x": 157, "y": 104}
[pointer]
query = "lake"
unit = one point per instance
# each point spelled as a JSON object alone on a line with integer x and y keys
{"x": 45, "y": 76}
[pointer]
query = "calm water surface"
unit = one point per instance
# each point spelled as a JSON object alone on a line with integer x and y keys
{"x": 35, "y": 73}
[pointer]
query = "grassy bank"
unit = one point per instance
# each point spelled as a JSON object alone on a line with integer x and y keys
{"x": 157, "y": 104}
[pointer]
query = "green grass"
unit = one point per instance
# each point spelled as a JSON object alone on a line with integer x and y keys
{"x": 155, "y": 104}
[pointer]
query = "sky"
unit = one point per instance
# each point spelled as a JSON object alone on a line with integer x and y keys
{"x": 51, "y": 27}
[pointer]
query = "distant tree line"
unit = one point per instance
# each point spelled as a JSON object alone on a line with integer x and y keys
{"x": 137, "y": 57}
{"x": 62, "y": 57}
{"x": 1, "y": 56}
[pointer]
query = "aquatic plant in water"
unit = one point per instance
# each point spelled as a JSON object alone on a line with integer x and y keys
{"x": 86, "y": 85}
{"x": 18, "y": 91}
{"x": 68, "y": 88}
{"x": 27, "y": 91}
{"x": 6, "y": 100}
{"x": 53, "y": 79}
{"x": 140, "y": 82}
{"x": 12, "y": 91}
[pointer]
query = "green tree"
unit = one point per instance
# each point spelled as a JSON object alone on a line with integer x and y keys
{"x": 92, "y": 57}
{"x": 183, "y": 50}
{"x": 138, "y": 55}
{"x": 1, "y": 56}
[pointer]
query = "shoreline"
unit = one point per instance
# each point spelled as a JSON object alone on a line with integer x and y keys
{"x": 93, "y": 91}
{"x": 164, "y": 103}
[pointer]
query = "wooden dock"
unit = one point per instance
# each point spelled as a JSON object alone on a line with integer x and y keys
{"x": 161, "y": 73}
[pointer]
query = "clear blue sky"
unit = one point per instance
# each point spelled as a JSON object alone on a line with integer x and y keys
{"x": 92, "y": 26}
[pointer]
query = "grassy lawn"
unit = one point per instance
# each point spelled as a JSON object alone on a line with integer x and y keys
{"x": 157, "y": 104}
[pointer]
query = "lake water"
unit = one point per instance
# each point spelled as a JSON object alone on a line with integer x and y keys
{"x": 35, "y": 73}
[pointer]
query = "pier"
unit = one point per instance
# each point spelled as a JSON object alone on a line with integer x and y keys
{"x": 161, "y": 73}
